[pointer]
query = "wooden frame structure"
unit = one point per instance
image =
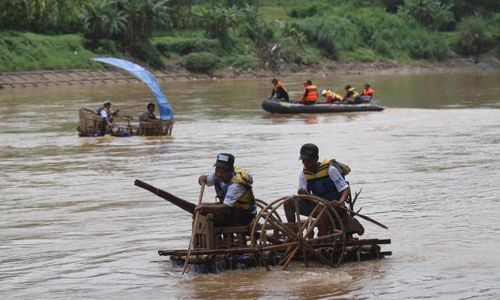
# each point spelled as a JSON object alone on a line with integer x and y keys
{"x": 268, "y": 240}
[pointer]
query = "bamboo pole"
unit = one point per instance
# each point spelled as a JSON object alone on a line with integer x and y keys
{"x": 191, "y": 242}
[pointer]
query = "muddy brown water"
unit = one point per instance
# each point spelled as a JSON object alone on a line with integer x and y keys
{"x": 73, "y": 225}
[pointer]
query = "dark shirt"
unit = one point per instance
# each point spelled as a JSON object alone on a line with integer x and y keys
{"x": 281, "y": 93}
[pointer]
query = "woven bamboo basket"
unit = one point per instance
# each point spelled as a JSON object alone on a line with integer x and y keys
{"x": 155, "y": 128}
{"x": 89, "y": 122}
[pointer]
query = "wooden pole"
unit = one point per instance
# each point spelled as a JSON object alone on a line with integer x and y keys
{"x": 191, "y": 242}
{"x": 183, "y": 204}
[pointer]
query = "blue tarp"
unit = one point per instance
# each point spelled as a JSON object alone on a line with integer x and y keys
{"x": 149, "y": 79}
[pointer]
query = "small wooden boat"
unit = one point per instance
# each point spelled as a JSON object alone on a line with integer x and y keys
{"x": 271, "y": 241}
{"x": 281, "y": 107}
{"x": 90, "y": 126}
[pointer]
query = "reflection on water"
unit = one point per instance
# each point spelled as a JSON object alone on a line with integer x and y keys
{"x": 73, "y": 223}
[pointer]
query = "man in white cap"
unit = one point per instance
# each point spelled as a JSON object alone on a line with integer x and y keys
{"x": 106, "y": 116}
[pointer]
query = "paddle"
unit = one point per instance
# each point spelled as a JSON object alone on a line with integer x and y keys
{"x": 191, "y": 242}
{"x": 364, "y": 217}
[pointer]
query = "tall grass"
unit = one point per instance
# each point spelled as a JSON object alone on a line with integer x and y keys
{"x": 28, "y": 51}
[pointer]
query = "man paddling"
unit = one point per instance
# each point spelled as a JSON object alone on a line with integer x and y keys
{"x": 233, "y": 187}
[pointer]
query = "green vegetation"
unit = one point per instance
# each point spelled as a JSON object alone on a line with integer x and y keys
{"x": 206, "y": 35}
{"x": 29, "y": 51}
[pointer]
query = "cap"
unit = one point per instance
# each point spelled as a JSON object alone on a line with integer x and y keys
{"x": 107, "y": 101}
{"x": 323, "y": 92}
{"x": 309, "y": 152}
{"x": 225, "y": 160}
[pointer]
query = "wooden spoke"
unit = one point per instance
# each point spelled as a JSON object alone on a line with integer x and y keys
{"x": 324, "y": 237}
{"x": 320, "y": 214}
{"x": 297, "y": 213}
{"x": 289, "y": 258}
{"x": 279, "y": 246}
{"x": 318, "y": 254}
{"x": 283, "y": 228}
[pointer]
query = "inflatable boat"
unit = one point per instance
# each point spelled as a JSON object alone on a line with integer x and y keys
{"x": 281, "y": 107}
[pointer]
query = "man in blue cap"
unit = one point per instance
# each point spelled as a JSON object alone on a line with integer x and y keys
{"x": 233, "y": 187}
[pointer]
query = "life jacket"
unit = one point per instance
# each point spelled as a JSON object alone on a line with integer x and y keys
{"x": 320, "y": 183}
{"x": 368, "y": 92}
{"x": 331, "y": 97}
{"x": 351, "y": 95}
{"x": 312, "y": 93}
{"x": 247, "y": 200}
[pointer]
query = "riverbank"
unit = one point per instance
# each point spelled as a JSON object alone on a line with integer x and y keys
{"x": 34, "y": 79}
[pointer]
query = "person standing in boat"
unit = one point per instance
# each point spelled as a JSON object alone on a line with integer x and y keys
{"x": 233, "y": 187}
{"x": 310, "y": 93}
{"x": 106, "y": 117}
{"x": 325, "y": 180}
{"x": 149, "y": 114}
{"x": 351, "y": 95}
{"x": 280, "y": 91}
{"x": 331, "y": 97}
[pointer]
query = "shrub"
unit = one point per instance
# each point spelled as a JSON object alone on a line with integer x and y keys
{"x": 360, "y": 54}
{"x": 244, "y": 62}
{"x": 304, "y": 12}
{"x": 202, "y": 62}
{"x": 432, "y": 14}
{"x": 183, "y": 46}
{"x": 149, "y": 54}
{"x": 331, "y": 35}
{"x": 106, "y": 46}
{"x": 474, "y": 37}
{"x": 426, "y": 45}
{"x": 260, "y": 33}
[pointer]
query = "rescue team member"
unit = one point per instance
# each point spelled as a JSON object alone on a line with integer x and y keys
{"x": 106, "y": 117}
{"x": 278, "y": 90}
{"x": 367, "y": 91}
{"x": 149, "y": 114}
{"x": 325, "y": 180}
{"x": 330, "y": 96}
{"x": 233, "y": 187}
{"x": 310, "y": 93}
{"x": 351, "y": 94}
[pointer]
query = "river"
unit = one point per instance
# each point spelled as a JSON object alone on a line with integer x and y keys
{"x": 73, "y": 225}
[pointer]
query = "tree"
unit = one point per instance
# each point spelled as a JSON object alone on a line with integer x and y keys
{"x": 474, "y": 36}
{"x": 101, "y": 20}
{"x": 432, "y": 14}
{"x": 218, "y": 20}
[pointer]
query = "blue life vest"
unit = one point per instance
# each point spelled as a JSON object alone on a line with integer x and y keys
{"x": 320, "y": 184}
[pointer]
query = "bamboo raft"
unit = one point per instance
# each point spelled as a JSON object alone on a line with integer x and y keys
{"x": 269, "y": 241}
{"x": 90, "y": 126}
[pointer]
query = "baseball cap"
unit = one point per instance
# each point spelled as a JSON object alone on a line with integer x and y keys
{"x": 225, "y": 160}
{"x": 107, "y": 101}
{"x": 309, "y": 152}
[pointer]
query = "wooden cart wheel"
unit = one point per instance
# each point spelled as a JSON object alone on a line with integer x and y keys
{"x": 270, "y": 234}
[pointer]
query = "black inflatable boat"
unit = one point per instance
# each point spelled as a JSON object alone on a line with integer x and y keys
{"x": 280, "y": 107}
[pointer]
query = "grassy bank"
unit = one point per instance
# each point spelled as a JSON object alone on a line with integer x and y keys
{"x": 29, "y": 51}
{"x": 274, "y": 35}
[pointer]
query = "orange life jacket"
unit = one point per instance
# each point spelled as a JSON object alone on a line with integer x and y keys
{"x": 312, "y": 93}
{"x": 368, "y": 92}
